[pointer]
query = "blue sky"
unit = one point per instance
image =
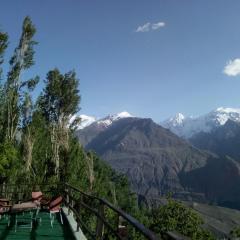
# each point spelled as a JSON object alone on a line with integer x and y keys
{"x": 155, "y": 73}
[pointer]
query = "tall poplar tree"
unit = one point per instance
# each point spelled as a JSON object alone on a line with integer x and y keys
{"x": 22, "y": 59}
{"x": 27, "y": 110}
{"x": 3, "y": 46}
{"x": 60, "y": 101}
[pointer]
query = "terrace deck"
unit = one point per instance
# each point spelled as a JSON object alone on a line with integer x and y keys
{"x": 39, "y": 231}
{"x": 76, "y": 204}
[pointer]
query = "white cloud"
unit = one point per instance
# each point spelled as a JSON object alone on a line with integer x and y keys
{"x": 232, "y": 68}
{"x": 150, "y": 27}
{"x": 158, "y": 25}
{"x": 144, "y": 28}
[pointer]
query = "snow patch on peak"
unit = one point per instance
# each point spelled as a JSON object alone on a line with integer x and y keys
{"x": 178, "y": 119}
{"x": 123, "y": 115}
{"x": 84, "y": 122}
{"x": 228, "y": 110}
{"x": 120, "y": 115}
{"x": 175, "y": 124}
{"x": 103, "y": 122}
{"x": 221, "y": 115}
{"x": 112, "y": 118}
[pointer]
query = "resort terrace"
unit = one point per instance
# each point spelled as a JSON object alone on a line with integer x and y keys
{"x": 61, "y": 211}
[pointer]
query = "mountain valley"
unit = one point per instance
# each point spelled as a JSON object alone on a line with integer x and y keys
{"x": 157, "y": 161}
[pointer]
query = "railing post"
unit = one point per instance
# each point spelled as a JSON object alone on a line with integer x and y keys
{"x": 67, "y": 196}
{"x": 78, "y": 209}
{"x": 100, "y": 224}
{"x": 67, "y": 190}
{"x": 78, "y": 226}
{"x": 117, "y": 221}
{"x": 71, "y": 200}
{"x": 122, "y": 229}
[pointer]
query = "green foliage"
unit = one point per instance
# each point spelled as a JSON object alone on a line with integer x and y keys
{"x": 15, "y": 86}
{"x": 58, "y": 103}
{"x": 75, "y": 169}
{"x": 42, "y": 169}
{"x": 24, "y": 53}
{"x": 61, "y": 95}
{"x": 235, "y": 233}
{"x": 3, "y": 46}
{"x": 174, "y": 216}
{"x": 9, "y": 162}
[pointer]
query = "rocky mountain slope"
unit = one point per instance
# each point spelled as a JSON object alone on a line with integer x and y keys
{"x": 157, "y": 161}
{"x": 224, "y": 140}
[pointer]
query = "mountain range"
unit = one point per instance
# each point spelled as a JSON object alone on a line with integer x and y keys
{"x": 186, "y": 127}
{"x": 157, "y": 161}
{"x": 179, "y": 124}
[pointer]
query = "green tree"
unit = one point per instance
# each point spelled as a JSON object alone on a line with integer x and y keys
{"x": 28, "y": 137}
{"x": 235, "y": 232}
{"x": 59, "y": 102}
{"x": 174, "y": 216}
{"x": 3, "y": 46}
{"x": 42, "y": 168}
{"x": 9, "y": 162}
{"x": 22, "y": 59}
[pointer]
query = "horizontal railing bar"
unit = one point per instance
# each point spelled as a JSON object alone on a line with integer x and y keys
{"x": 176, "y": 236}
{"x": 83, "y": 204}
{"x": 20, "y": 192}
{"x": 29, "y": 184}
{"x": 83, "y": 193}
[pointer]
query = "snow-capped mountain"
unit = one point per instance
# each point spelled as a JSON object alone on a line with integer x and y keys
{"x": 107, "y": 121}
{"x": 188, "y": 126}
{"x": 85, "y": 120}
{"x": 177, "y": 120}
{"x": 103, "y": 122}
{"x": 88, "y": 133}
